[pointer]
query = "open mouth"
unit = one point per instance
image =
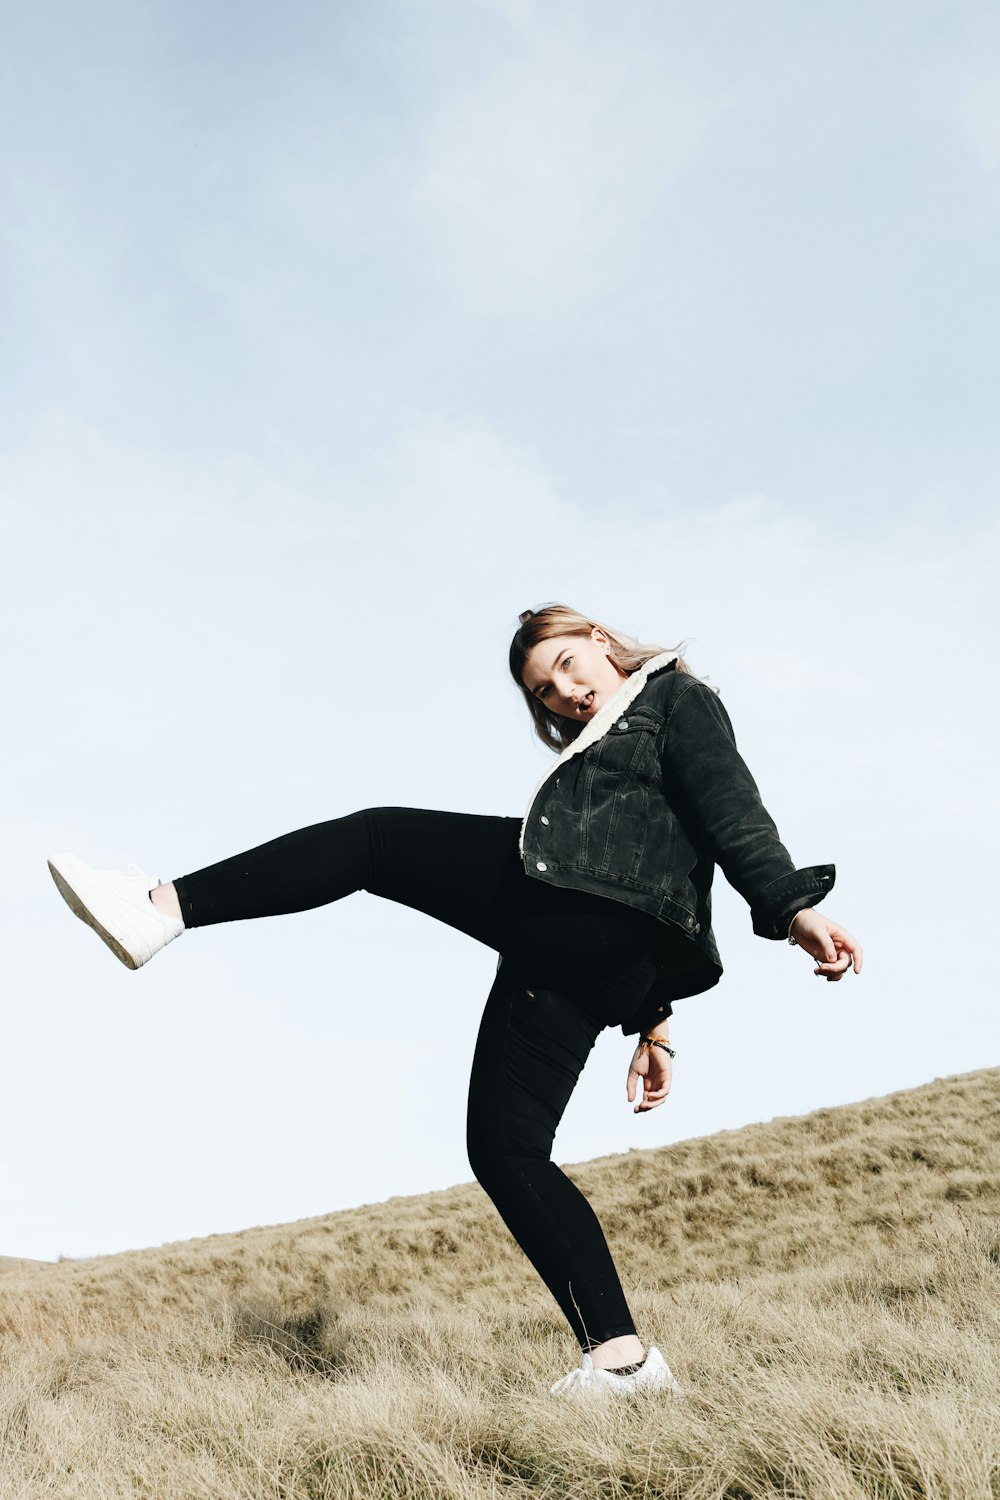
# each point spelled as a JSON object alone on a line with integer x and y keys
{"x": 586, "y": 704}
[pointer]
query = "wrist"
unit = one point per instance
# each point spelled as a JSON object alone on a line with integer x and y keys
{"x": 795, "y": 917}
{"x": 648, "y": 1043}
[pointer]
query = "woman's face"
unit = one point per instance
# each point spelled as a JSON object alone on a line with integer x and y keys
{"x": 572, "y": 675}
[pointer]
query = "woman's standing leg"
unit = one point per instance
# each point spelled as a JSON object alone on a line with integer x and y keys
{"x": 532, "y": 1047}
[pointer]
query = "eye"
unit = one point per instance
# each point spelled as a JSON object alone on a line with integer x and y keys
{"x": 566, "y": 662}
{"x": 542, "y": 691}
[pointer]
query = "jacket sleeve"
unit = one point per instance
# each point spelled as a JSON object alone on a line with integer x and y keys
{"x": 713, "y": 792}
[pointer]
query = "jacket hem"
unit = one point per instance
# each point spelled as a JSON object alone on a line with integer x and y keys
{"x": 697, "y": 982}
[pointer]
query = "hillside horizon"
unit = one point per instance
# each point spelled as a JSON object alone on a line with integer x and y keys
{"x": 27, "y": 1263}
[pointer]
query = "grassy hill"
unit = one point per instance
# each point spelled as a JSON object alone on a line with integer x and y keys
{"x": 18, "y": 1263}
{"x": 827, "y": 1290}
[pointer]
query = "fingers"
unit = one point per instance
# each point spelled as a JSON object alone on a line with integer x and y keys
{"x": 853, "y": 947}
{"x": 835, "y": 952}
{"x": 835, "y": 970}
{"x": 639, "y": 1069}
{"x": 652, "y": 1097}
{"x": 849, "y": 956}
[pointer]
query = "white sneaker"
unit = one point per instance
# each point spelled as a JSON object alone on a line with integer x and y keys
{"x": 116, "y": 904}
{"x": 653, "y": 1376}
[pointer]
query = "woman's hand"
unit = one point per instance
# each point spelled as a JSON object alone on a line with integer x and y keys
{"x": 654, "y": 1068}
{"x": 829, "y": 943}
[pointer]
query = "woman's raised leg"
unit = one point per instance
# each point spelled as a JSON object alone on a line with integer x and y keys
{"x": 449, "y": 865}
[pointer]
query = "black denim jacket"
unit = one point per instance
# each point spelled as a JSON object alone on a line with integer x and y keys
{"x": 650, "y": 797}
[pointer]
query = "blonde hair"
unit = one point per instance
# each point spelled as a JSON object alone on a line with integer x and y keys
{"x": 628, "y": 655}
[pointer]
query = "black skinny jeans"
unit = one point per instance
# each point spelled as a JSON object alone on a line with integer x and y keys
{"x": 571, "y": 964}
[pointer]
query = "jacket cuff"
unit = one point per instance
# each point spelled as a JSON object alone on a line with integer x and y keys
{"x": 790, "y": 893}
{"x": 650, "y": 1018}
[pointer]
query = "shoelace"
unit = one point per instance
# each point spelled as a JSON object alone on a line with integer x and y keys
{"x": 150, "y": 881}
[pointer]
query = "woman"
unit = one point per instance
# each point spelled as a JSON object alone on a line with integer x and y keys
{"x": 598, "y": 903}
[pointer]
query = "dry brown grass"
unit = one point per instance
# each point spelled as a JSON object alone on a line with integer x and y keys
{"x": 18, "y": 1263}
{"x": 825, "y": 1288}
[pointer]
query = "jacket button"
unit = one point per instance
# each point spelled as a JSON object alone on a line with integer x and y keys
{"x": 697, "y": 927}
{"x": 689, "y": 922}
{"x": 541, "y": 865}
{"x": 623, "y": 723}
{"x": 545, "y": 820}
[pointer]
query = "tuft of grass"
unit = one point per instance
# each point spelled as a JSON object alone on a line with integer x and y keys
{"x": 309, "y": 1342}
{"x": 826, "y": 1290}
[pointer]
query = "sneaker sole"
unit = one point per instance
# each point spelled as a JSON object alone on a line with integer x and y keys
{"x": 79, "y": 909}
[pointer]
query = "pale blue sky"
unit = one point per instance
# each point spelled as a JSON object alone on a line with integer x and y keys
{"x": 333, "y": 337}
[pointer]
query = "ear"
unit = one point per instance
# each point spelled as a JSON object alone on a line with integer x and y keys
{"x": 600, "y": 639}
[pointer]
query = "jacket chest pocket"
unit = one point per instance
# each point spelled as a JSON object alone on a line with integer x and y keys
{"x": 620, "y": 750}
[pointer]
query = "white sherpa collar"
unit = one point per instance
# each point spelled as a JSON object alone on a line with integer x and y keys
{"x": 602, "y": 721}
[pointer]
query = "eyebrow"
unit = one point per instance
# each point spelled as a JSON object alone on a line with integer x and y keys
{"x": 558, "y": 657}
